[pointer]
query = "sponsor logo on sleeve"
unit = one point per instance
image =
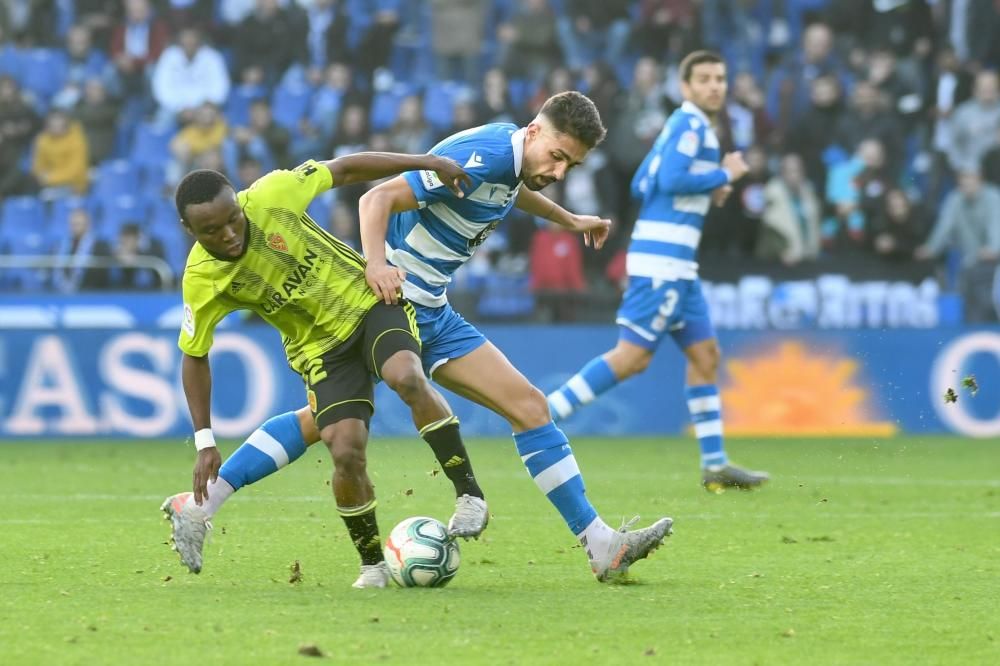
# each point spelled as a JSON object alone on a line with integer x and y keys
{"x": 430, "y": 180}
{"x": 688, "y": 143}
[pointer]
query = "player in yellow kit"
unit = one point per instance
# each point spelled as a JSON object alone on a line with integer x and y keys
{"x": 258, "y": 250}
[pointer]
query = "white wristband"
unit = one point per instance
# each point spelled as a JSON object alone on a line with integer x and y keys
{"x": 204, "y": 439}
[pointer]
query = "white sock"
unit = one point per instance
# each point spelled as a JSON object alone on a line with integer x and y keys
{"x": 596, "y": 537}
{"x": 218, "y": 492}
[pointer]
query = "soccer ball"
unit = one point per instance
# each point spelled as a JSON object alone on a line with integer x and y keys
{"x": 420, "y": 553}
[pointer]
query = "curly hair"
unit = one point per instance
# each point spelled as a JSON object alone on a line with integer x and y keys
{"x": 197, "y": 187}
{"x": 575, "y": 114}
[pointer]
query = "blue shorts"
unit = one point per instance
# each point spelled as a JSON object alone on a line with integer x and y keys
{"x": 444, "y": 335}
{"x": 651, "y": 308}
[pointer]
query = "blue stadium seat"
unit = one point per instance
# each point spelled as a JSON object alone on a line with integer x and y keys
{"x": 385, "y": 106}
{"x": 439, "y": 102}
{"x": 176, "y": 244}
{"x": 506, "y": 297}
{"x": 237, "y": 109}
{"x": 319, "y": 209}
{"x": 118, "y": 211}
{"x": 115, "y": 178}
{"x": 520, "y": 91}
{"x": 58, "y": 219}
{"x": 43, "y": 72}
{"x": 10, "y": 61}
{"x": 151, "y": 145}
{"x": 23, "y": 231}
{"x": 289, "y": 105}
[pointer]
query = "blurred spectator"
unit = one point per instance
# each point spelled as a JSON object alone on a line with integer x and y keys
{"x": 33, "y": 21}
{"x": 136, "y": 44}
{"x": 188, "y": 12}
{"x": 493, "y": 105}
{"x": 232, "y": 12}
{"x": 61, "y": 156}
{"x": 975, "y": 125}
{"x": 133, "y": 244}
{"x": 867, "y": 117}
{"x": 556, "y": 264}
{"x": 899, "y": 82}
{"x": 733, "y": 228}
{"x": 98, "y": 17}
{"x": 855, "y": 189}
{"x": 814, "y": 133}
{"x": 463, "y": 116}
{"x": 98, "y": 114}
{"x": 659, "y": 22}
{"x": 203, "y": 136}
{"x": 790, "y": 226}
{"x": 411, "y": 133}
{"x": 558, "y": 80}
{"x": 896, "y": 230}
{"x": 352, "y": 132}
{"x": 83, "y": 62}
{"x": 328, "y": 25}
{"x": 529, "y": 47}
{"x": 18, "y": 124}
{"x": 317, "y": 128}
{"x": 633, "y": 127}
{"x": 970, "y": 225}
{"x": 790, "y": 86}
{"x": 188, "y": 74}
{"x": 248, "y": 172}
{"x": 990, "y": 164}
{"x": 79, "y": 246}
{"x": 263, "y": 139}
{"x": 457, "y": 30}
{"x": 748, "y": 121}
{"x": 269, "y": 40}
{"x": 593, "y": 30}
{"x": 603, "y": 88}
{"x": 344, "y": 223}
{"x": 973, "y": 31}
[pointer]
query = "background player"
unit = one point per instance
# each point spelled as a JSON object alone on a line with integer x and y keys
{"x": 677, "y": 182}
{"x": 258, "y": 250}
{"x": 416, "y": 233}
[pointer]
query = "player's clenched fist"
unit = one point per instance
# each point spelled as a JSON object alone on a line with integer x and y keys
{"x": 735, "y": 165}
{"x": 386, "y": 281}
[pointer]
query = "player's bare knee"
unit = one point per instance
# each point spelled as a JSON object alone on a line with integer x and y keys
{"x": 530, "y": 411}
{"x": 410, "y": 384}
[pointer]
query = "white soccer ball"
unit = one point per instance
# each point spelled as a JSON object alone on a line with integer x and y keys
{"x": 420, "y": 553}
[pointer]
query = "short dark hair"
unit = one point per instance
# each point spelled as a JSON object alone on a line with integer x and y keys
{"x": 575, "y": 114}
{"x": 691, "y": 60}
{"x": 197, "y": 187}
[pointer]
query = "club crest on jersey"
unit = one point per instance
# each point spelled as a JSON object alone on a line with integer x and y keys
{"x": 276, "y": 242}
{"x": 311, "y": 397}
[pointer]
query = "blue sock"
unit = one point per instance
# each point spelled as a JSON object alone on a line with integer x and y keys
{"x": 706, "y": 412}
{"x": 594, "y": 379}
{"x": 546, "y": 453}
{"x": 269, "y": 448}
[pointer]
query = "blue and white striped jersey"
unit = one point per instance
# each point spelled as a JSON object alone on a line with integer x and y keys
{"x": 675, "y": 182}
{"x": 430, "y": 243}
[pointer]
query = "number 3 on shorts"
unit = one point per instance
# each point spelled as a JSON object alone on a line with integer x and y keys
{"x": 666, "y": 309}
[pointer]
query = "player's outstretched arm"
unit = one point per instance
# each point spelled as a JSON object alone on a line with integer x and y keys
{"x": 196, "y": 375}
{"x": 362, "y": 167}
{"x": 374, "y": 208}
{"x": 594, "y": 229}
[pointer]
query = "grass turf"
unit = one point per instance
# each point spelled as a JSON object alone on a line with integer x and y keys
{"x": 858, "y": 552}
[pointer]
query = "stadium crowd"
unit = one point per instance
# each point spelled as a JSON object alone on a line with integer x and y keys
{"x": 871, "y": 127}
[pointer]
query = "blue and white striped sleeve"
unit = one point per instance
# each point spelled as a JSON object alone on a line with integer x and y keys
{"x": 678, "y": 154}
{"x": 428, "y": 188}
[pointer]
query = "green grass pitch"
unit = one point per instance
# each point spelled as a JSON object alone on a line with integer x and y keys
{"x": 859, "y": 552}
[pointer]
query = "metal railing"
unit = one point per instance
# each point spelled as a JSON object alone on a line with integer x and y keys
{"x": 44, "y": 261}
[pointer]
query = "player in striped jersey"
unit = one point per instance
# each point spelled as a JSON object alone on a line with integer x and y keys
{"x": 417, "y": 232}
{"x": 677, "y": 182}
{"x": 258, "y": 250}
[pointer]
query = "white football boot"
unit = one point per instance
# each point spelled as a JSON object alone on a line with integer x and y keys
{"x": 373, "y": 575}
{"x": 189, "y": 525}
{"x": 470, "y": 518}
{"x": 629, "y": 547}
